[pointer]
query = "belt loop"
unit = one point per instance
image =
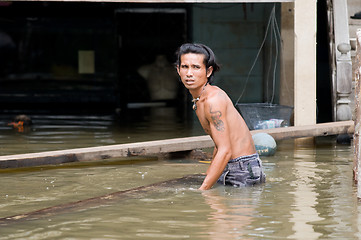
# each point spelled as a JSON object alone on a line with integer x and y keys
{"x": 226, "y": 168}
{"x": 241, "y": 165}
{"x": 224, "y": 177}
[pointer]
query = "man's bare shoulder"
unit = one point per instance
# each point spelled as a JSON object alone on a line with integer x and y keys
{"x": 216, "y": 93}
{"x": 216, "y": 97}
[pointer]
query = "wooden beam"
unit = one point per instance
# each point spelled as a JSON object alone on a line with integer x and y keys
{"x": 105, "y": 152}
{"x": 161, "y": 146}
{"x": 323, "y": 129}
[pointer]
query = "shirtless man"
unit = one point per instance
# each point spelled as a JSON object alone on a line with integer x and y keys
{"x": 235, "y": 160}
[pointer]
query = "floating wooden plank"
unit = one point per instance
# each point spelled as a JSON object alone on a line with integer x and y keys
{"x": 322, "y": 129}
{"x": 105, "y": 152}
{"x": 161, "y": 146}
{"x": 101, "y": 200}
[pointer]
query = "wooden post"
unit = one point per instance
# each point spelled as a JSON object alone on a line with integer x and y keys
{"x": 357, "y": 139}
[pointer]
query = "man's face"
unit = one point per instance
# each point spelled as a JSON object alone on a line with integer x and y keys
{"x": 192, "y": 70}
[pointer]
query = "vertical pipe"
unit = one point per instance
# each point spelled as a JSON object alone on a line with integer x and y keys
{"x": 357, "y": 139}
{"x": 287, "y": 54}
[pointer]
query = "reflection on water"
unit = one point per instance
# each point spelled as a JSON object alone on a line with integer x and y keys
{"x": 304, "y": 212}
{"x": 309, "y": 194}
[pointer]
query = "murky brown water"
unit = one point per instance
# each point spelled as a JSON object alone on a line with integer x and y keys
{"x": 56, "y": 132}
{"x": 309, "y": 194}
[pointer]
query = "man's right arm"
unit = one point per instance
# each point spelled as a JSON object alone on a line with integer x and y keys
{"x": 213, "y": 155}
{"x": 219, "y": 129}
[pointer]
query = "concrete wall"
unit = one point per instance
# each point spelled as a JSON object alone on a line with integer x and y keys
{"x": 235, "y": 33}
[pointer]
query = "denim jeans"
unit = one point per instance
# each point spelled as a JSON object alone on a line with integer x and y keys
{"x": 243, "y": 171}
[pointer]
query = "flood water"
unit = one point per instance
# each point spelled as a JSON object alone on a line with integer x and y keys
{"x": 57, "y": 132}
{"x": 309, "y": 193}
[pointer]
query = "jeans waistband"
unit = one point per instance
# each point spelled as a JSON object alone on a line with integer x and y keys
{"x": 244, "y": 158}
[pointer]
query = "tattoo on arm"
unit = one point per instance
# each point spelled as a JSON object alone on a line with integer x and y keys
{"x": 216, "y": 119}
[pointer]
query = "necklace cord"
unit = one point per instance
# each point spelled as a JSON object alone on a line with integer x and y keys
{"x": 195, "y": 100}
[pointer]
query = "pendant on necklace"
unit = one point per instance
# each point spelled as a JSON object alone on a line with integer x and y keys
{"x": 195, "y": 100}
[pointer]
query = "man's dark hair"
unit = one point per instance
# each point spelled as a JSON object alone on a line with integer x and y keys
{"x": 209, "y": 57}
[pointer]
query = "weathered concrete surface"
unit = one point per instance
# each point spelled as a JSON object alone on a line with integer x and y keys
{"x": 161, "y": 146}
{"x": 357, "y": 131}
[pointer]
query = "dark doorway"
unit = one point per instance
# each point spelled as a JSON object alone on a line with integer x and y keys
{"x": 61, "y": 56}
{"x": 324, "y": 98}
{"x": 145, "y": 34}
{"x": 57, "y": 55}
